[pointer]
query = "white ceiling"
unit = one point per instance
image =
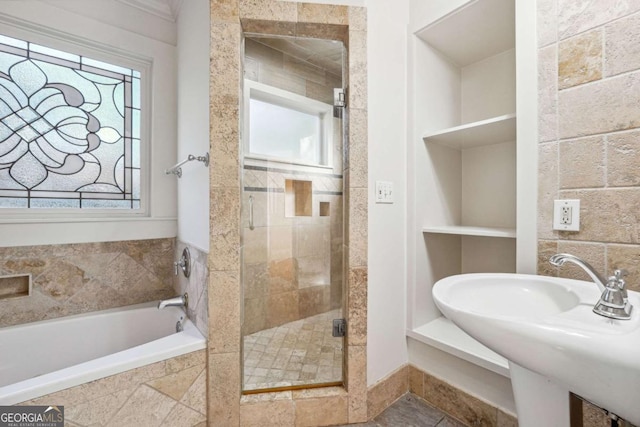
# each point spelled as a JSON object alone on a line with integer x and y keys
{"x": 166, "y": 9}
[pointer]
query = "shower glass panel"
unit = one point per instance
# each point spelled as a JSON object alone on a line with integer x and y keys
{"x": 292, "y": 207}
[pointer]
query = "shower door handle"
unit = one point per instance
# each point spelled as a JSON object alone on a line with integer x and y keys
{"x": 251, "y": 227}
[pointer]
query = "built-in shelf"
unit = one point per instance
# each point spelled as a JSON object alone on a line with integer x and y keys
{"x": 475, "y": 31}
{"x": 485, "y": 132}
{"x": 442, "y": 334}
{"x": 463, "y": 230}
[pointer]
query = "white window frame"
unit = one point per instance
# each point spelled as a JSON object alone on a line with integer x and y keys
{"x": 283, "y": 98}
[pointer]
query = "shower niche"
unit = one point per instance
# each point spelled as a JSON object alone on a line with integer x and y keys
{"x": 292, "y": 213}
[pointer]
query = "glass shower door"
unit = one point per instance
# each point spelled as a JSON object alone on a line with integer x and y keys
{"x": 292, "y": 261}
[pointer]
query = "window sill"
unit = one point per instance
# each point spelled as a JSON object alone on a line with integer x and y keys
{"x": 30, "y": 232}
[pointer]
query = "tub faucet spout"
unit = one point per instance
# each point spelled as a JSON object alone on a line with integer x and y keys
{"x": 179, "y": 301}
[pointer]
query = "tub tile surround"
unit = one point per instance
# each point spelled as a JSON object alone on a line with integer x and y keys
{"x": 166, "y": 393}
{"x": 195, "y": 285}
{"x": 589, "y": 92}
{"x": 78, "y": 278}
{"x": 229, "y": 19}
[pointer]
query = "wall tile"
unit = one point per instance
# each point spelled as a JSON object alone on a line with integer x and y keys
{"x": 269, "y": 10}
{"x": 625, "y": 257}
{"x": 223, "y": 395}
{"x": 325, "y": 411}
{"x": 224, "y": 66}
{"x": 593, "y": 253}
{"x": 272, "y": 413}
{"x": 358, "y": 227}
{"x": 606, "y": 216}
{"x": 547, "y": 18}
{"x": 224, "y": 11}
{"x": 547, "y": 188}
{"x": 462, "y": 406}
{"x": 358, "y": 149}
{"x": 357, "y": 306}
{"x": 387, "y": 391}
{"x": 322, "y": 14}
{"x": 580, "y": 59}
{"x": 145, "y": 407}
{"x": 176, "y": 385}
{"x": 582, "y": 163}
{"x": 576, "y": 16}
{"x": 603, "y": 106}
{"x": 416, "y": 381}
{"x": 623, "y": 157}
{"x": 225, "y": 235}
{"x": 357, "y": 91}
{"x": 548, "y": 94}
{"x": 196, "y": 397}
{"x": 357, "y": 18}
{"x": 357, "y": 383}
{"x": 224, "y": 169}
{"x": 79, "y": 278}
{"x": 183, "y": 416}
{"x": 622, "y": 45}
{"x": 224, "y": 312}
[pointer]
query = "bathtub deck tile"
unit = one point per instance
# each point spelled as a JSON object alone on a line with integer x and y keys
{"x": 183, "y": 416}
{"x": 176, "y": 385}
{"x": 185, "y": 361}
{"x": 98, "y": 411}
{"x": 146, "y": 407}
{"x": 196, "y": 396}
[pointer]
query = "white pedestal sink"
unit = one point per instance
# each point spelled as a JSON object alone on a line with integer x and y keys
{"x": 545, "y": 327}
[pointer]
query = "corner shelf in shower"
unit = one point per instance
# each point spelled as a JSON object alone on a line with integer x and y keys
{"x": 463, "y": 230}
{"x": 485, "y": 132}
{"x": 442, "y": 334}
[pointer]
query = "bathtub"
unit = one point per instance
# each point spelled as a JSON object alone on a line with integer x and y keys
{"x": 44, "y": 357}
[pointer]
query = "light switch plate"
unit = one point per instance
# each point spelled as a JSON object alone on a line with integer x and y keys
{"x": 566, "y": 215}
{"x": 384, "y": 192}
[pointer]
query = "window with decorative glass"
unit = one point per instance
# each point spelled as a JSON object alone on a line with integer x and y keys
{"x": 69, "y": 130}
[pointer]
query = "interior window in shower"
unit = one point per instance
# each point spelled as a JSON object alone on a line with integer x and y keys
{"x": 288, "y": 127}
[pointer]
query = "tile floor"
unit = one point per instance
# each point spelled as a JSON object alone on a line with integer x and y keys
{"x": 411, "y": 411}
{"x": 300, "y": 352}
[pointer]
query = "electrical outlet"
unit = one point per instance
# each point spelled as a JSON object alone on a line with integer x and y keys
{"x": 566, "y": 215}
{"x": 384, "y": 192}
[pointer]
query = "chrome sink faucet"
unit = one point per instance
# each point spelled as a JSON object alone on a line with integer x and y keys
{"x": 614, "y": 301}
{"x": 179, "y": 301}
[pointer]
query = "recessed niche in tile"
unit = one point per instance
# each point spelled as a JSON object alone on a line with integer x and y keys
{"x": 298, "y": 198}
{"x": 325, "y": 208}
{"x": 15, "y": 286}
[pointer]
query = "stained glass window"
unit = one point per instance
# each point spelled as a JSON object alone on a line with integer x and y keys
{"x": 69, "y": 130}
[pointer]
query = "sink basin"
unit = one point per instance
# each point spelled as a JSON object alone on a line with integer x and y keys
{"x": 546, "y": 325}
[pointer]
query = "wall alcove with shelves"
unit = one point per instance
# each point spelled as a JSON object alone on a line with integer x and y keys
{"x": 469, "y": 180}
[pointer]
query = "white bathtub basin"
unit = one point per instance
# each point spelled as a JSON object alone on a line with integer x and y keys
{"x": 546, "y": 325}
{"x": 43, "y": 357}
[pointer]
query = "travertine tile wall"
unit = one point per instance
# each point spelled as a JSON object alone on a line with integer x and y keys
{"x": 168, "y": 393}
{"x": 195, "y": 285}
{"x": 269, "y": 66}
{"x": 318, "y": 407}
{"x": 79, "y": 278}
{"x": 589, "y": 115}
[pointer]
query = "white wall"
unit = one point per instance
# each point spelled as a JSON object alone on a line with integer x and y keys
{"x": 73, "y": 25}
{"x": 387, "y": 68}
{"x": 193, "y": 122}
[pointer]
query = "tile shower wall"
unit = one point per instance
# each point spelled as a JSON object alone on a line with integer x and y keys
{"x": 292, "y": 265}
{"x": 167, "y": 393}
{"x": 79, "y": 278}
{"x": 589, "y": 128}
{"x": 195, "y": 285}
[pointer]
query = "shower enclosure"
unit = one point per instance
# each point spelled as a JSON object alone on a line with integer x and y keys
{"x": 292, "y": 213}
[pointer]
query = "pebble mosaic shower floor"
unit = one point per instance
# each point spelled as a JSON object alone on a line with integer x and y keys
{"x": 300, "y": 352}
